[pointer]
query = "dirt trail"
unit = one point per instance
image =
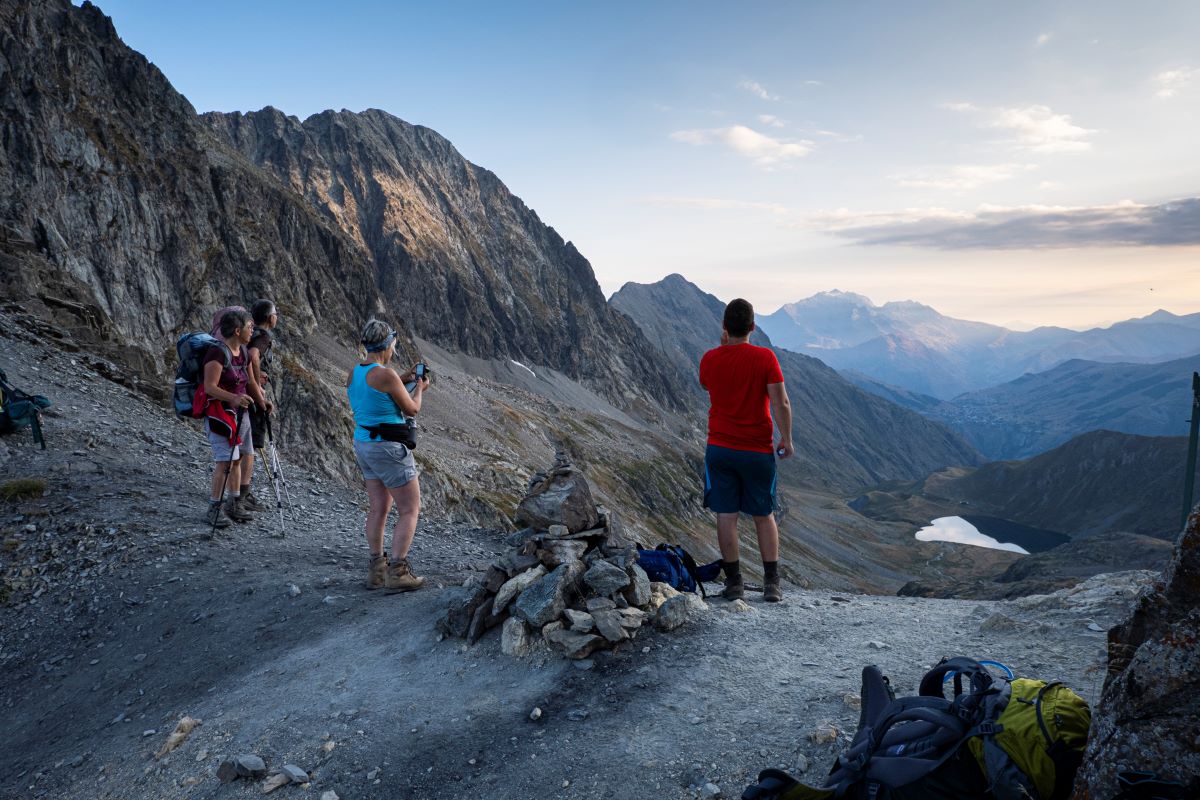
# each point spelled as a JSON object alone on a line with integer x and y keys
{"x": 141, "y": 619}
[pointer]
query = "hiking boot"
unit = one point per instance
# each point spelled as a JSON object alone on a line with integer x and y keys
{"x": 734, "y": 589}
{"x": 216, "y": 517}
{"x": 252, "y": 503}
{"x": 400, "y": 578}
{"x": 377, "y": 572}
{"x": 236, "y": 511}
{"x": 772, "y": 592}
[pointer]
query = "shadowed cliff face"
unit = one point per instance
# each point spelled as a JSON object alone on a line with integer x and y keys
{"x": 465, "y": 262}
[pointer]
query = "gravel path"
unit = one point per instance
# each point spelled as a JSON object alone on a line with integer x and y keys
{"x": 120, "y": 616}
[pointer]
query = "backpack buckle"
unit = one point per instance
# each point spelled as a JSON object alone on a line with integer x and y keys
{"x": 988, "y": 728}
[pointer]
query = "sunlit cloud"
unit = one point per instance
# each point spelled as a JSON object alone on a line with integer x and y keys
{"x": 758, "y": 90}
{"x": 771, "y": 120}
{"x": 1025, "y": 227}
{"x": 1042, "y": 39}
{"x": 1036, "y": 128}
{"x": 762, "y": 150}
{"x": 1174, "y": 81}
{"x": 960, "y": 177}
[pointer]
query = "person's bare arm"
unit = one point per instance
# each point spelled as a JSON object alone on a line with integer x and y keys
{"x": 256, "y": 380}
{"x": 387, "y": 381}
{"x": 781, "y": 412}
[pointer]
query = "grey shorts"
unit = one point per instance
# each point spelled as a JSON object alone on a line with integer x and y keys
{"x": 220, "y": 444}
{"x": 390, "y": 462}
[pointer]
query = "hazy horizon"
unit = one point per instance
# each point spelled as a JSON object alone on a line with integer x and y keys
{"x": 1031, "y": 162}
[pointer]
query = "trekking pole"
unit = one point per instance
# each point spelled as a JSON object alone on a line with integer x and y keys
{"x": 237, "y": 426}
{"x": 1189, "y": 482}
{"x": 273, "y": 475}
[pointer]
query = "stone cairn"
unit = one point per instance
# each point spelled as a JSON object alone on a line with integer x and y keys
{"x": 571, "y": 578}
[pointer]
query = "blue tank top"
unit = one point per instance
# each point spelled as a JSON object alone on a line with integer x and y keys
{"x": 370, "y": 406}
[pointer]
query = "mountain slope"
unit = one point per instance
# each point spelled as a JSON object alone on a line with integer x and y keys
{"x": 912, "y": 346}
{"x": 465, "y": 262}
{"x": 1096, "y": 483}
{"x": 1039, "y": 411}
{"x": 845, "y": 437}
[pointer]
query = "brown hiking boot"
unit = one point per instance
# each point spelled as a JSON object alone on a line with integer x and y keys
{"x": 236, "y": 511}
{"x": 252, "y": 503}
{"x": 772, "y": 592}
{"x": 216, "y": 517}
{"x": 734, "y": 589}
{"x": 377, "y": 572}
{"x": 400, "y": 578}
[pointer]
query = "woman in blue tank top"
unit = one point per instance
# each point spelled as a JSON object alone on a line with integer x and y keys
{"x": 378, "y": 396}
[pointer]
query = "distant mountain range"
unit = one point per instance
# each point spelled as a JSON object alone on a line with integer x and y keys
{"x": 1037, "y": 412}
{"x": 845, "y": 437}
{"x": 913, "y": 347}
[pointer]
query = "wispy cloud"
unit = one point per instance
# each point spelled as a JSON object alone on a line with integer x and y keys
{"x": 1024, "y": 228}
{"x": 1042, "y": 39}
{"x": 1036, "y": 128}
{"x": 961, "y": 176}
{"x": 758, "y": 90}
{"x": 772, "y": 120}
{"x": 814, "y": 83}
{"x": 762, "y": 150}
{"x": 1174, "y": 81}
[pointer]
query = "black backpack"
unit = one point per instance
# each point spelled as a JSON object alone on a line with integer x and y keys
{"x": 997, "y": 738}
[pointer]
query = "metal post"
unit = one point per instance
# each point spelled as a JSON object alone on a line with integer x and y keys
{"x": 1190, "y": 478}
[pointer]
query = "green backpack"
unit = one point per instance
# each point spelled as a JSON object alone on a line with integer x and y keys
{"x": 1023, "y": 739}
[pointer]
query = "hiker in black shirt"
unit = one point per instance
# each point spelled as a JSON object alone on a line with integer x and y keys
{"x": 266, "y": 317}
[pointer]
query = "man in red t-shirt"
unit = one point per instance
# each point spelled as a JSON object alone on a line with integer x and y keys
{"x": 745, "y": 391}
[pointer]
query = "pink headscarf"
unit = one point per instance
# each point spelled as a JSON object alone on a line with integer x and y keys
{"x": 220, "y": 315}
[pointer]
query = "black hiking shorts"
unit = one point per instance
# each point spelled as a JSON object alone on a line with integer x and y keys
{"x": 258, "y": 427}
{"x": 739, "y": 480}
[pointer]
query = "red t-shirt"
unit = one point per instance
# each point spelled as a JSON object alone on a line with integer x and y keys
{"x": 739, "y": 414}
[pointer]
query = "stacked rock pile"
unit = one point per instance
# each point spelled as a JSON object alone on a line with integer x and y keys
{"x": 571, "y": 578}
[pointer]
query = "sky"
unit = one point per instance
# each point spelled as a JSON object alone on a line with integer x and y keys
{"x": 1022, "y": 163}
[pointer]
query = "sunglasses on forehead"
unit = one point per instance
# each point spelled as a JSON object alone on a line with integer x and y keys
{"x": 379, "y": 346}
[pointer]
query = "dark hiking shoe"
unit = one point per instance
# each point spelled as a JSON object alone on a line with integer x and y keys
{"x": 400, "y": 578}
{"x": 734, "y": 589}
{"x": 772, "y": 592}
{"x": 377, "y": 572}
{"x": 252, "y": 503}
{"x": 216, "y": 517}
{"x": 236, "y": 511}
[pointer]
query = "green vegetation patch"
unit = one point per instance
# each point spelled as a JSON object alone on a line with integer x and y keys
{"x": 22, "y": 489}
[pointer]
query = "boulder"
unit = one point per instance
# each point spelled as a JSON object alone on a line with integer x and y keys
{"x": 546, "y": 598}
{"x": 515, "y": 562}
{"x": 632, "y": 618}
{"x": 514, "y": 586}
{"x": 678, "y": 610}
{"x": 461, "y": 606}
{"x": 515, "y": 638}
{"x": 563, "y": 498}
{"x": 599, "y": 603}
{"x": 608, "y": 624}
{"x": 660, "y": 593}
{"x": 560, "y": 551}
{"x": 605, "y": 578}
{"x": 1148, "y": 708}
{"x": 638, "y": 591}
{"x": 573, "y": 643}
{"x": 580, "y": 620}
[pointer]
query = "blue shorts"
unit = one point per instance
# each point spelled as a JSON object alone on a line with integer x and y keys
{"x": 739, "y": 480}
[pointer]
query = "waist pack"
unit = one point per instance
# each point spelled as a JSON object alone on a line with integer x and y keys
{"x": 1023, "y": 739}
{"x": 671, "y": 564}
{"x": 404, "y": 433}
{"x": 191, "y": 349}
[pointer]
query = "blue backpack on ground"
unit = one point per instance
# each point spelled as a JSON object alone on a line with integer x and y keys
{"x": 18, "y": 409}
{"x": 672, "y": 565}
